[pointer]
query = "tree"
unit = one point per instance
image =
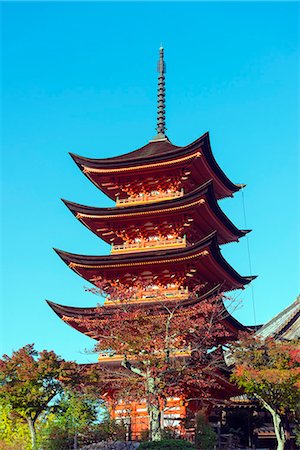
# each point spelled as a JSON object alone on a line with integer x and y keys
{"x": 29, "y": 380}
{"x": 270, "y": 371}
{"x": 72, "y": 413}
{"x": 163, "y": 348}
{"x": 14, "y": 433}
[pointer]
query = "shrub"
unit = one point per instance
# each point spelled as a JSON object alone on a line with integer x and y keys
{"x": 14, "y": 433}
{"x": 167, "y": 444}
{"x": 56, "y": 438}
{"x": 145, "y": 435}
{"x": 166, "y": 434}
{"x": 205, "y": 437}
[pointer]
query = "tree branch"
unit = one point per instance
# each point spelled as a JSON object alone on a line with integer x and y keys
{"x": 127, "y": 365}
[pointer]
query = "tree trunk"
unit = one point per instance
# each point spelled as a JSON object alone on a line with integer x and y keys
{"x": 75, "y": 442}
{"x": 277, "y": 422}
{"x": 154, "y": 422}
{"x": 279, "y": 431}
{"x": 153, "y": 407}
{"x": 153, "y": 411}
{"x": 32, "y": 432}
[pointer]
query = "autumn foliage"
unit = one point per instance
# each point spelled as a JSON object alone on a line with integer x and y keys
{"x": 29, "y": 380}
{"x": 165, "y": 348}
{"x": 269, "y": 370}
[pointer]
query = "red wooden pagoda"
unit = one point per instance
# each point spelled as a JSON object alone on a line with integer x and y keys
{"x": 165, "y": 229}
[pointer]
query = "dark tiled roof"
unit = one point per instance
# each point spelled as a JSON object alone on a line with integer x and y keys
{"x": 285, "y": 325}
{"x": 71, "y": 312}
{"x": 176, "y": 256}
{"x": 163, "y": 207}
{"x": 157, "y": 153}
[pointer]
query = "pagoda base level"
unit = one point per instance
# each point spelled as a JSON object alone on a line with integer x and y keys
{"x": 135, "y": 416}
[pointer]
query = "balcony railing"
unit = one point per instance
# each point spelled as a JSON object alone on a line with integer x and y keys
{"x": 149, "y": 245}
{"x": 104, "y": 357}
{"x": 148, "y": 198}
{"x": 152, "y": 295}
{"x": 174, "y": 353}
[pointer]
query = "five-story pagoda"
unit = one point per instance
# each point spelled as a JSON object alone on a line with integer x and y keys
{"x": 166, "y": 228}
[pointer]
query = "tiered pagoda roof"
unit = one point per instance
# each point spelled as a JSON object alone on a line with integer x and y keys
{"x": 201, "y": 263}
{"x": 197, "y": 213}
{"x": 192, "y": 215}
{"x": 71, "y": 315}
{"x": 190, "y": 166}
{"x": 165, "y": 232}
{"x": 166, "y": 227}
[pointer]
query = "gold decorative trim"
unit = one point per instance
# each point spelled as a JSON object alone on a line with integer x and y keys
{"x": 146, "y": 300}
{"x": 158, "y": 211}
{"x": 122, "y": 248}
{"x": 72, "y": 265}
{"x": 87, "y": 169}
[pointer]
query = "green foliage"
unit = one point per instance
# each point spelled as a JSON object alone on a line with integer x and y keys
{"x": 30, "y": 380}
{"x": 297, "y": 427}
{"x": 109, "y": 429}
{"x": 168, "y": 433}
{"x": 269, "y": 370}
{"x": 167, "y": 444}
{"x": 14, "y": 433}
{"x": 72, "y": 417}
{"x": 205, "y": 437}
{"x": 75, "y": 411}
{"x": 145, "y": 434}
{"x": 75, "y": 416}
{"x": 60, "y": 439}
{"x": 297, "y": 431}
{"x": 52, "y": 437}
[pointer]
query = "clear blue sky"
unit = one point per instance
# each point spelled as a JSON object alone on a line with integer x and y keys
{"x": 81, "y": 77}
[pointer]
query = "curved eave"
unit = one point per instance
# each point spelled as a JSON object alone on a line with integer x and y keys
{"x": 206, "y": 247}
{"x": 85, "y": 214}
{"x": 153, "y": 150}
{"x": 154, "y": 153}
{"x": 194, "y": 195}
{"x": 110, "y": 309}
{"x": 71, "y": 314}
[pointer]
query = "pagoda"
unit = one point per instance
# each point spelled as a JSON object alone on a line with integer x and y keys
{"x": 165, "y": 229}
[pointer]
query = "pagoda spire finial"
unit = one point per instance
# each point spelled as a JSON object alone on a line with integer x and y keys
{"x": 161, "y": 99}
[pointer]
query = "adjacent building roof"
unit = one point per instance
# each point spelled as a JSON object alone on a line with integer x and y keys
{"x": 285, "y": 325}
